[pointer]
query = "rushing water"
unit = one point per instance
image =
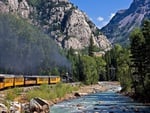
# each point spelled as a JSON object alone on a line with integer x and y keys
{"x": 105, "y": 102}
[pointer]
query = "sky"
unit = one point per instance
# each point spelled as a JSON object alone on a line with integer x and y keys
{"x": 101, "y": 11}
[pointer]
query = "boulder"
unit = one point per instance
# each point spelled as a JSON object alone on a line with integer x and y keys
{"x": 15, "y": 107}
{"x": 39, "y": 105}
{"x": 3, "y": 108}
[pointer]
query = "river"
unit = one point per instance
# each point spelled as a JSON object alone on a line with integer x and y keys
{"x": 101, "y": 102}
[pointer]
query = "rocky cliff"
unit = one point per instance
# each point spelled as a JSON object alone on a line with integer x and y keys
{"x": 63, "y": 21}
{"x": 119, "y": 28}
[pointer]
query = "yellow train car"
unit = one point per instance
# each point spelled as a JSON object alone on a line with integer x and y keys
{"x": 54, "y": 79}
{"x": 1, "y": 82}
{"x": 8, "y": 81}
{"x": 30, "y": 80}
{"x": 58, "y": 79}
{"x": 18, "y": 81}
{"x": 42, "y": 80}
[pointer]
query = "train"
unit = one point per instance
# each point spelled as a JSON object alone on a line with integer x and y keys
{"x": 7, "y": 81}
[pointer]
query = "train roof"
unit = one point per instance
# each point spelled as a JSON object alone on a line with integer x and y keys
{"x": 10, "y": 75}
{"x": 29, "y": 76}
{"x": 38, "y": 76}
{"x": 6, "y": 75}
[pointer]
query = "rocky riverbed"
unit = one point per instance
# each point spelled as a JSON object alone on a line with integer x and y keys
{"x": 21, "y": 104}
{"x": 101, "y": 102}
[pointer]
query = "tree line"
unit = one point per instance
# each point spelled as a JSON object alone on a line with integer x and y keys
{"x": 140, "y": 59}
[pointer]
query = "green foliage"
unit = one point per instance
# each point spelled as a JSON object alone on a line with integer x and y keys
{"x": 137, "y": 58}
{"x": 51, "y": 92}
{"x": 118, "y": 58}
{"x": 123, "y": 71}
{"x": 91, "y": 47}
{"x": 75, "y": 60}
{"x": 140, "y": 47}
{"x": 55, "y": 71}
{"x": 146, "y": 34}
{"x": 101, "y": 68}
{"x": 13, "y": 93}
{"x": 111, "y": 58}
{"x": 95, "y": 67}
{"x": 88, "y": 73}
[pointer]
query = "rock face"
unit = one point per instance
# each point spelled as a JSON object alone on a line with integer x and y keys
{"x": 63, "y": 21}
{"x": 126, "y": 20}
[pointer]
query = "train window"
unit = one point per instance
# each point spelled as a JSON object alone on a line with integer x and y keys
{"x": 1, "y": 79}
{"x": 30, "y": 78}
{"x": 18, "y": 79}
{"x": 42, "y": 79}
{"x": 9, "y": 80}
{"x": 53, "y": 79}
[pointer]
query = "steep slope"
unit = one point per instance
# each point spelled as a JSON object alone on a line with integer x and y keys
{"x": 22, "y": 50}
{"x": 118, "y": 29}
{"x": 64, "y": 22}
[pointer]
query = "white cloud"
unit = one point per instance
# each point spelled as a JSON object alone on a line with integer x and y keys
{"x": 103, "y": 22}
{"x": 100, "y": 19}
{"x": 111, "y": 15}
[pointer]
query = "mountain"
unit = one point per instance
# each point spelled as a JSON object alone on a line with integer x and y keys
{"x": 60, "y": 19}
{"x": 120, "y": 26}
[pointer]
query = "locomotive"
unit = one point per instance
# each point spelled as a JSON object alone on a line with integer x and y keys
{"x": 7, "y": 80}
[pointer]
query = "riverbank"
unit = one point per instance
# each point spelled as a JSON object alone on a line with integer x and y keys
{"x": 145, "y": 99}
{"x": 52, "y": 94}
{"x": 85, "y": 90}
{"x": 101, "y": 102}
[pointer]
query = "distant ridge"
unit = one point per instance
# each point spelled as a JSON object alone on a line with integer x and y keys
{"x": 120, "y": 26}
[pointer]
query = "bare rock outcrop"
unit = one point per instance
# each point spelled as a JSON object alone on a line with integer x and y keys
{"x": 15, "y": 7}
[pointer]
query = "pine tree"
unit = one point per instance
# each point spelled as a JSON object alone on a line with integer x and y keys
{"x": 138, "y": 59}
{"x": 91, "y": 47}
{"x": 89, "y": 73}
{"x": 146, "y": 33}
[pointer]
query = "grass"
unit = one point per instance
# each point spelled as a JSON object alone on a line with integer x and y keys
{"x": 11, "y": 94}
{"x": 51, "y": 92}
{"x": 47, "y": 92}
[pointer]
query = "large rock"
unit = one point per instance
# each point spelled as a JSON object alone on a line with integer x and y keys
{"x": 15, "y": 107}
{"x": 39, "y": 105}
{"x": 77, "y": 27}
{"x": 3, "y": 108}
{"x": 3, "y": 7}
